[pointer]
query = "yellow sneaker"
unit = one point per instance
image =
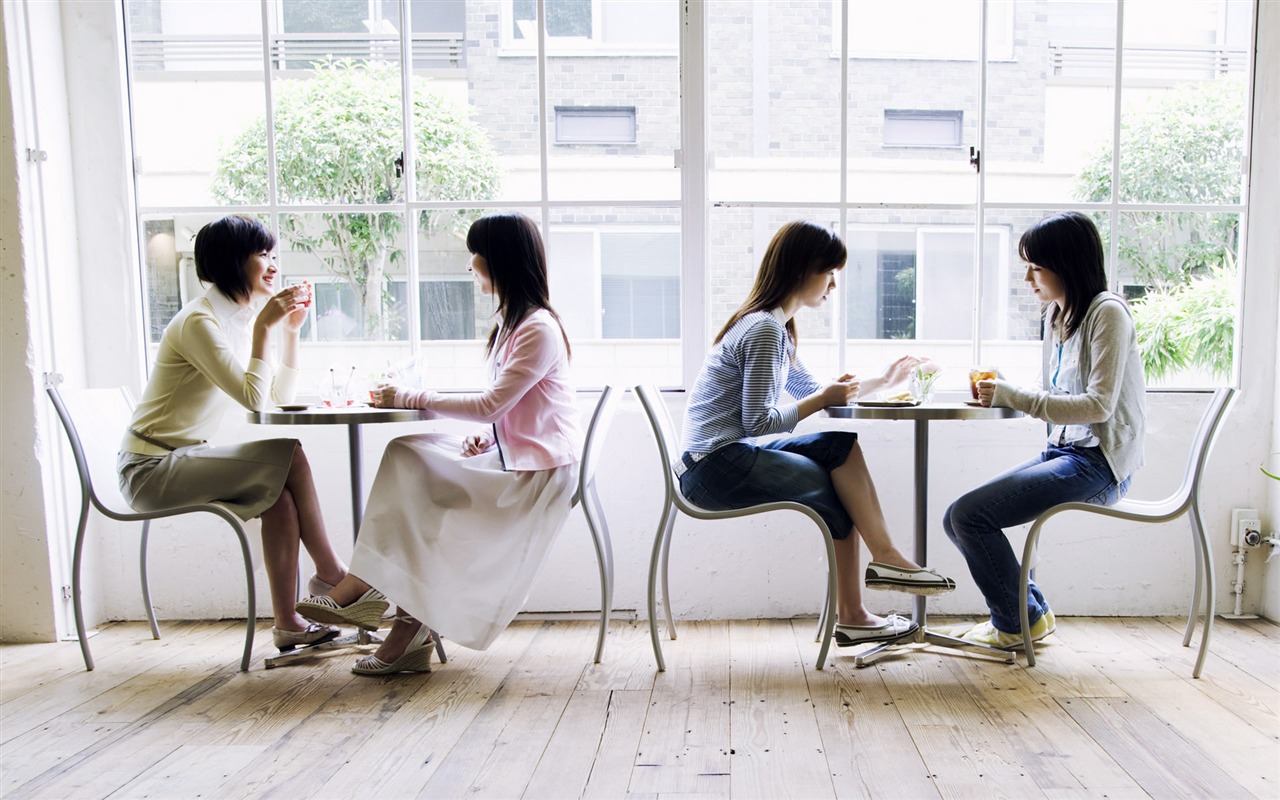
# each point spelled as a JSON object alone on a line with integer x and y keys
{"x": 988, "y": 634}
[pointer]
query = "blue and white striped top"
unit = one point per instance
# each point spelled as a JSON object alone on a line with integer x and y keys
{"x": 736, "y": 395}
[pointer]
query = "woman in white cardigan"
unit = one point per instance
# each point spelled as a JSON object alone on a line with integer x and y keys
{"x": 1092, "y": 397}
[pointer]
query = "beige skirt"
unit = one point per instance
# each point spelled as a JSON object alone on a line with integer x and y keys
{"x": 247, "y": 478}
{"x": 457, "y": 542}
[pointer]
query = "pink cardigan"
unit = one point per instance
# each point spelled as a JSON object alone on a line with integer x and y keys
{"x": 530, "y": 402}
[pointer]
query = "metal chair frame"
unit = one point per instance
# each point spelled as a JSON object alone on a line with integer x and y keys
{"x": 1185, "y": 500}
{"x": 586, "y": 495}
{"x": 663, "y": 432}
{"x": 111, "y": 409}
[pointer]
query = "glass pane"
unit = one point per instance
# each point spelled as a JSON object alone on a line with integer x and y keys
{"x": 1050, "y": 109}
{"x": 909, "y": 289}
{"x": 615, "y": 281}
{"x": 773, "y": 114}
{"x": 356, "y": 263}
{"x": 913, "y": 79}
{"x": 624, "y": 96}
{"x": 1180, "y": 272}
{"x": 169, "y": 266}
{"x": 1183, "y": 108}
{"x": 476, "y": 120}
{"x": 1014, "y": 347}
{"x": 455, "y": 318}
{"x": 197, "y": 84}
{"x": 338, "y": 112}
{"x": 737, "y": 241}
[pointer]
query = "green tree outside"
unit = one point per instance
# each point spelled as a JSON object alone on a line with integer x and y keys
{"x": 1186, "y": 147}
{"x": 339, "y": 139}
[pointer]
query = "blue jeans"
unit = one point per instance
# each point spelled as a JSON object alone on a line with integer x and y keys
{"x": 976, "y": 521}
{"x": 798, "y": 469}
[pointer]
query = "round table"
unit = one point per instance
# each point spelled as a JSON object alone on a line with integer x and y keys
{"x": 353, "y": 417}
{"x": 922, "y": 415}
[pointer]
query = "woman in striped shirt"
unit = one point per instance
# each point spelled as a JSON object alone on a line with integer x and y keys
{"x": 738, "y": 398}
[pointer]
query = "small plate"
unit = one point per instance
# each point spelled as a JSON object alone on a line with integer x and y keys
{"x": 887, "y": 403}
{"x": 974, "y": 403}
{"x": 295, "y": 407}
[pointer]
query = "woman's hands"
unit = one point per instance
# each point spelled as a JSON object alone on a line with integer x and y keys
{"x": 986, "y": 391}
{"x": 384, "y": 396}
{"x": 897, "y": 372}
{"x": 288, "y": 305}
{"x": 900, "y": 370}
{"x": 840, "y": 391}
{"x": 477, "y": 443}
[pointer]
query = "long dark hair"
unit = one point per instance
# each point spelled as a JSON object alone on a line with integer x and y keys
{"x": 223, "y": 246}
{"x": 798, "y": 251}
{"x": 1068, "y": 244}
{"x": 512, "y": 246}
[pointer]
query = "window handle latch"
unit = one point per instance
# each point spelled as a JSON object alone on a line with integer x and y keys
{"x": 975, "y": 159}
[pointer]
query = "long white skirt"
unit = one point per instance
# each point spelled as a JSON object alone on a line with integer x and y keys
{"x": 456, "y": 541}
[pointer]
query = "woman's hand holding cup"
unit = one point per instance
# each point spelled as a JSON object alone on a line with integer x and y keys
{"x": 384, "y": 396}
{"x": 986, "y": 390}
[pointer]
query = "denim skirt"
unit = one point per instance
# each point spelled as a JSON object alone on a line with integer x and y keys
{"x": 796, "y": 469}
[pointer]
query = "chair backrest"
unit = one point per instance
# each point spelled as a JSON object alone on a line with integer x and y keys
{"x": 663, "y": 430}
{"x": 597, "y": 432}
{"x": 1210, "y": 421}
{"x": 95, "y": 420}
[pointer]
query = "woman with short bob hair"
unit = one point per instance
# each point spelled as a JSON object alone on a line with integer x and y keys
{"x": 215, "y": 346}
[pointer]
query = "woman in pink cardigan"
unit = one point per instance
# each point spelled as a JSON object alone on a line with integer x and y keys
{"x": 457, "y": 529}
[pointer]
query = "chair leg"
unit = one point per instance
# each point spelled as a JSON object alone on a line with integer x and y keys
{"x": 76, "y": 603}
{"x": 251, "y": 592}
{"x": 1211, "y": 597}
{"x": 146, "y": 583}
{"x": 655, "y": 558}
{"x": 828, "y": 607}
{"x": 822, "y": 616}
{"x": 1194, "y": 612}
{"x": 604, "y": 560}
{"x": 1024, "y": 589}
{"x": 666, "y": 583}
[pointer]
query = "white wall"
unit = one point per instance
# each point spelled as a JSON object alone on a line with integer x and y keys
{"x": 727, "y": 569}
{"x": 26, "y": 585}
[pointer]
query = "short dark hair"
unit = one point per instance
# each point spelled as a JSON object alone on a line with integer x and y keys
{"x": 1068, "y": 244}
{"x": 223, "y": 246}
{"x": 512, "y": 246}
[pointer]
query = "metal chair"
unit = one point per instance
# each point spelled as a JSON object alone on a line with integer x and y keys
{"x": 668, "y": 448}
{"x": 95, "y": 420}
{"x": 1186, "y": 500}
{"x": 597, "y": 432}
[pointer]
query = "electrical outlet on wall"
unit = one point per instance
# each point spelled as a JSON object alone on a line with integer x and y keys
{"x": 1244, "y": 520}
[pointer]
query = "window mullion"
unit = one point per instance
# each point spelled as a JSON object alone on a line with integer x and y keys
{"x": 980, "y": 219}
{"x": 693, "y": 190}
{"x": 409, "y": 176}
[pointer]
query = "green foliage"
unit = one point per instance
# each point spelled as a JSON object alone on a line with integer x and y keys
{"x": 1184, "y": 147}
{"x": 339, "y": 139}
{"x": 1190, "y": 327}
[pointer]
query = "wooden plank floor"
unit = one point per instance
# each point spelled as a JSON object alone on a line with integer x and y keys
{"x": 1110, "y": 711}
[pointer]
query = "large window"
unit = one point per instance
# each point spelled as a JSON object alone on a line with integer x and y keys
{"x": 867, "y": 116}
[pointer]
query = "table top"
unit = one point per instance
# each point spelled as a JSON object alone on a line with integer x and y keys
{"x": 924, "y": 411}
{"x": 351, "y": 415}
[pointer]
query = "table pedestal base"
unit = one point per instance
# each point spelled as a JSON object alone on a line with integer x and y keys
{"x": 923, "y": 635}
